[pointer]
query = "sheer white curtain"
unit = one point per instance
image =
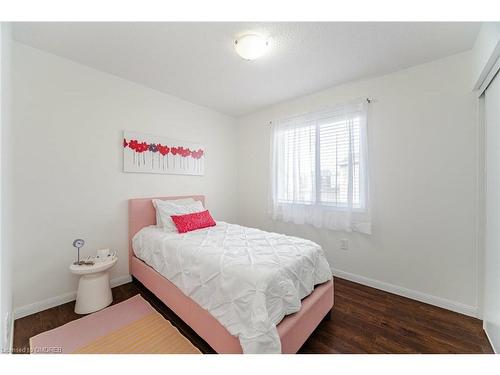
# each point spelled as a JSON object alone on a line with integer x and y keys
{"x": 319, "y": 169}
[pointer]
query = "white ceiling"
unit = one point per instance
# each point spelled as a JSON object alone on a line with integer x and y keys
{"x": 197, "y": 61}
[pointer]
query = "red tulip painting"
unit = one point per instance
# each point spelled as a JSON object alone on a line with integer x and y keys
{"x": 153, "y": 154}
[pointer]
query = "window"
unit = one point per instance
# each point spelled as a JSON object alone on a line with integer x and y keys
{"x": 319, "y": 167}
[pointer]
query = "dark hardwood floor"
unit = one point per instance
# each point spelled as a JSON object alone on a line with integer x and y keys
{"x": 364, "y": 320}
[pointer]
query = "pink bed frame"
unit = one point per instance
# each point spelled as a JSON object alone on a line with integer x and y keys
{"x": 293, "y": 330}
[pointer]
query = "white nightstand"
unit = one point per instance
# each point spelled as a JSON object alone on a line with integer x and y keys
{"x": 94, "y": 291}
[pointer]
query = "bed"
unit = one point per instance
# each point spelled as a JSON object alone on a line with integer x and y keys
{"x": 293, "y": 329}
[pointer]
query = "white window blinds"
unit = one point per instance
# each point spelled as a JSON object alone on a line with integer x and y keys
{"x": 319, "y": 169}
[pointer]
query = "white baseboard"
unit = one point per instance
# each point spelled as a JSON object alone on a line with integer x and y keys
{"x": 409, "y": 293}
{"x": 35, "y": 307}
{"x": 419, "y": 296}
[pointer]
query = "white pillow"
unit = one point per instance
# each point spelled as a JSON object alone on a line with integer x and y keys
{"x": 157, "y": 202}
{"x": 167, "y": 209}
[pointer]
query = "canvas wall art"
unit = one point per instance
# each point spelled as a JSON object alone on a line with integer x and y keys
{"x": 147, "y": 153}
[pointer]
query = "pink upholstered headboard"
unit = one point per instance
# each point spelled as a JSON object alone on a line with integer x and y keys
{"x": 141, "y": 213}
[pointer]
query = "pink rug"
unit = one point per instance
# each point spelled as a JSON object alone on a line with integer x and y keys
{"x": 132, "y": 326}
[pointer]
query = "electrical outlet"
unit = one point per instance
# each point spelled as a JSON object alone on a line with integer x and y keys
{"x": 344, "y": 244}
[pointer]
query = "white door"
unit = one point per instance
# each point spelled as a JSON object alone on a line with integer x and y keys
{"x": 492, "y": 252}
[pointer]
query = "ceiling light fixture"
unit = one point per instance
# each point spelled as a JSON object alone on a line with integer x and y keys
{"x": 251, "y": 46}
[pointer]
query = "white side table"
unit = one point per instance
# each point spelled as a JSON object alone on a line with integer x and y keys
{"x": 94, "y": 291}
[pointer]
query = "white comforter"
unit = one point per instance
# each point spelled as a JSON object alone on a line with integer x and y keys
{"x": 246, "y": 278}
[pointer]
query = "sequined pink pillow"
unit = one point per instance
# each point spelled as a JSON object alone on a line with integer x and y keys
{"x": 189, "y": 222}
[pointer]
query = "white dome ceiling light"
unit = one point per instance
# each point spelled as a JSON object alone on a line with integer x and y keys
{"x": 251, "y": 46}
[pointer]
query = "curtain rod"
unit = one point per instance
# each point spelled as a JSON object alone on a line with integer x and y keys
{"x": 368, "y": 100}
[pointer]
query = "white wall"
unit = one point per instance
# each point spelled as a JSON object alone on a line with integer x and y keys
{"x": 68, "y": 122}
{"x": 486, "y": 58}
{"x": 6, "y": 191}
{"x": 492, "y": 248}
{"x": 423, "y": 137}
